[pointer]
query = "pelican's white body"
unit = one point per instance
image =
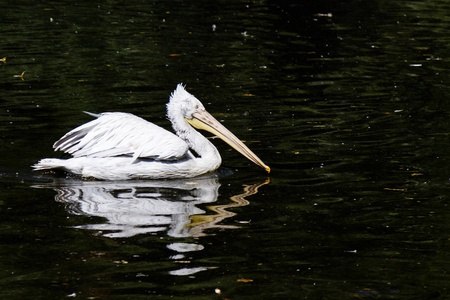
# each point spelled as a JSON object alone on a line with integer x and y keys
{"x": 117, "y": 146}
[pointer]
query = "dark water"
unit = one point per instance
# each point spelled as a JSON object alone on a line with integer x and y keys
{"x": 348, "y": 102}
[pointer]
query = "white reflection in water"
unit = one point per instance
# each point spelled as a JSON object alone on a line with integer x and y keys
{"x": 142, "y": 207}
{"x": 185, "y": 247}
{"x": 130, "y": 208}
{"x": 188, "y": 271}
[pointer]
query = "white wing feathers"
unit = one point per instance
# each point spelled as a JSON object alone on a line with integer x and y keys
{"x": 119, "y": 134}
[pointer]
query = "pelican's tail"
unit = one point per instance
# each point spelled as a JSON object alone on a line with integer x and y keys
{"x": 49, "y": 163}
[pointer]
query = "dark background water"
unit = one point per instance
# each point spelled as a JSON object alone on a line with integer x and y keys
{"x": 348, "y": 102}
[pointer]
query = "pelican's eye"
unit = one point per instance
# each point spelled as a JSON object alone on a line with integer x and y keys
{"x": 196, "y": 106}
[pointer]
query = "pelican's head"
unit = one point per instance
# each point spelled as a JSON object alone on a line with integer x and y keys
{"x": 183, "y": 102}
{"x": 185, "y": 105}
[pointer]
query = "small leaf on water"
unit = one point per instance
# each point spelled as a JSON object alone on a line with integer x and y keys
{"x": 244, "y": 280}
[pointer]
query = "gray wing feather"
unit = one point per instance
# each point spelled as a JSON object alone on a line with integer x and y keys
{"x": 118, "y": 134}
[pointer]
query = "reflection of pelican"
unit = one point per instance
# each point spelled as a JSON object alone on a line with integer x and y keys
{"x": 142, "y": 207}
{"x": 118, "y": 146}
{"x": 137, "y": 207}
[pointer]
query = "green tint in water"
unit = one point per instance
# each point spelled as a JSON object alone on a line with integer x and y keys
{"x": 347, "y": 103}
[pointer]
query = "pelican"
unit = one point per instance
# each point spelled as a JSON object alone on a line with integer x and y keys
{"x": 119, "y": 146}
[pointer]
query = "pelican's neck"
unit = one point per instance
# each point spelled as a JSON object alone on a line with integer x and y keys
{"x": 195, "y": 140}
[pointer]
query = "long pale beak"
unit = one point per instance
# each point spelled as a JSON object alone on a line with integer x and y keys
{"x": 203, "y": 120}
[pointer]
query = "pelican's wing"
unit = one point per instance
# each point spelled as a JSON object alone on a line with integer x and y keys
{"x": 116, "y": 134}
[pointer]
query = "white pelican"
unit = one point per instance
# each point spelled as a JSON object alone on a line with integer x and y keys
{"x": 118, "y": 146}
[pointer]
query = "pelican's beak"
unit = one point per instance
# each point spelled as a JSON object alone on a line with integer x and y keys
{"x": 203, "y": 120}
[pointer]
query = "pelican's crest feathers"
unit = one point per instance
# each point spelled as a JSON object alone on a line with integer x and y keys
{"x": 180, "y": 93}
